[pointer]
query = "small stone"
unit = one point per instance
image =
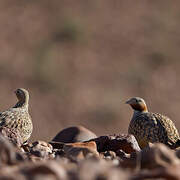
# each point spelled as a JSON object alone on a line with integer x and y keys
{"x": 41, "y": 149}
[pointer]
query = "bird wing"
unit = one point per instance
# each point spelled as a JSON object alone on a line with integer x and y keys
{"x": 168, "y": 127}
{"x": 8, "y": 118}
{"x": 145, "y": 126}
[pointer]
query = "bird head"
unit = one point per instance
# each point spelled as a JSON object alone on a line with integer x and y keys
{"x": 138, "y": 104}
{"x": 22, "y": 95}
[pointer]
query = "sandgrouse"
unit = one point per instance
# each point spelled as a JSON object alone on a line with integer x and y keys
{"x": 151, "y": 127}
{"x": 17, "y": 117}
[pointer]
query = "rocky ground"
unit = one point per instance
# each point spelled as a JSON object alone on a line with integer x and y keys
{"x": 106, "y": 157}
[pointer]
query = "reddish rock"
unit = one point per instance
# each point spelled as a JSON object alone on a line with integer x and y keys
{"x": 127, "y": 143}
{"x": 81, "y": 150}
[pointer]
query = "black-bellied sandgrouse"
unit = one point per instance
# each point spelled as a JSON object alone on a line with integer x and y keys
{"x": 151, "y": 127}
{"x": 18, "y": 117}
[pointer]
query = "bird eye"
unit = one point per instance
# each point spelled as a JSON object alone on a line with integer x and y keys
{"x": 138, "y": 100}
{"x": 18, "y": 91}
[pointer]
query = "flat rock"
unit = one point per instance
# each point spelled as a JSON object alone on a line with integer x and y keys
{"x": 74, "y": 134}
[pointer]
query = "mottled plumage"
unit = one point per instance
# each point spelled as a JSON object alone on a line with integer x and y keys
{"x": 151, "y": 127}
{"x": 18, "y": 117}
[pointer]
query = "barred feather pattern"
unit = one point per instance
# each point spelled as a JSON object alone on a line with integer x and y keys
{"x": 17, "y": 119}
{"x": 153, "y": 127}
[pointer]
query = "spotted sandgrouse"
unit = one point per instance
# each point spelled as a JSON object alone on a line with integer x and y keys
{"x": 151, "y": 127}
{"x": 17, "y": 117}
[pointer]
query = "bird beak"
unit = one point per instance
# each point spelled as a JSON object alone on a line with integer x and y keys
{"x": 128, "y": 102}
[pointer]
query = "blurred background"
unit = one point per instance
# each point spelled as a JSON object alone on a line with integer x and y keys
{"x": 81, "y": 60}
